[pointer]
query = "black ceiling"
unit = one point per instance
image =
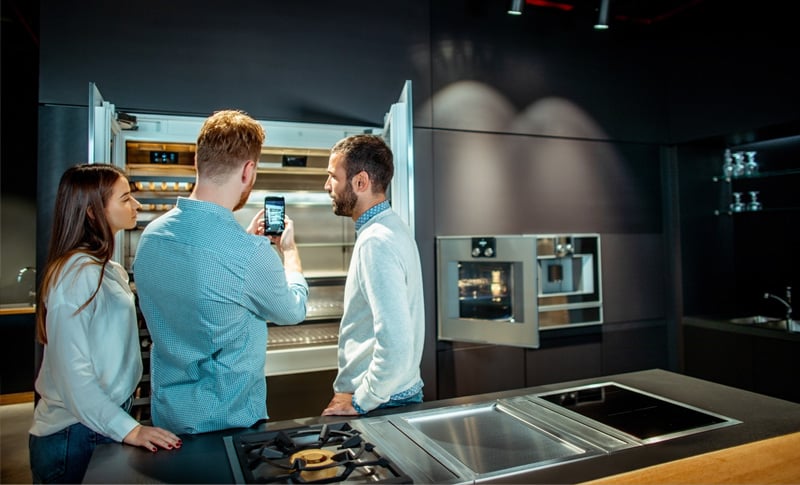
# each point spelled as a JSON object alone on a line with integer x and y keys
{"x": 642, "y": 12}
{"x": 674, "y": 15}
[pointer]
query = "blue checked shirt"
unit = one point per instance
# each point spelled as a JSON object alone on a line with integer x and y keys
{"x": 206, "y": 289}
{"x": 372, "y": 212}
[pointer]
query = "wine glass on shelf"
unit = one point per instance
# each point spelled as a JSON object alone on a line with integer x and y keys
{"x": 728, "y": 166}
{"x": 750, "y": 166}
{"x": 737, "y": 205}
{"x": 738, "y": 165}
{"x": 754, "y": 204}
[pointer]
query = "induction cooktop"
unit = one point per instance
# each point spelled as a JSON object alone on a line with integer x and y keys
{"x": 645, "y": 416}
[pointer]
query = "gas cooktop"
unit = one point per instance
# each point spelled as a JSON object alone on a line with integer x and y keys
{"x": 310, "y": 454}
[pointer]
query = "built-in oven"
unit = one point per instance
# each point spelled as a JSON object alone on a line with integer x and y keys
{"x": 487, "y": 290}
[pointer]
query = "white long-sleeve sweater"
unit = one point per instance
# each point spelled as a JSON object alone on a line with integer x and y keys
{"x": 383, "y": 324}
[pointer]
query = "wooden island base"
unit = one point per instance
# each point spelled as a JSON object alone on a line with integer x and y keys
{"x": 774, "y": 460}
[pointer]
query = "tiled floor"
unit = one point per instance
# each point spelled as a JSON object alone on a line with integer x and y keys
{"x": 15, "y": 420}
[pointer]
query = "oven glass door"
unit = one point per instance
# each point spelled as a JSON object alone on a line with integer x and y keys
{"x": 486, "y": 290}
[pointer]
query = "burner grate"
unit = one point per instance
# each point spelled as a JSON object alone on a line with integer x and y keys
{"x": 313, "y": 454}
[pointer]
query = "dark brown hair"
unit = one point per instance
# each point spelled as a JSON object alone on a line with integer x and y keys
{"x": 227, "y": 139}
{"x": 368, "y": 153}
{"x": 79, "y": 225}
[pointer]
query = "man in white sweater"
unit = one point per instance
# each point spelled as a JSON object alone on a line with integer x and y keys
{"x": 383, "y": 325}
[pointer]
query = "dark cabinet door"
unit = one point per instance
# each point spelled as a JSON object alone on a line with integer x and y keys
{"x": 775, "y": 367}
{"x": 466, "y": 369}
{"x": 723, "y": 357}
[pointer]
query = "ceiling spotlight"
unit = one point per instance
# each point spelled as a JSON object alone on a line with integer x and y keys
{"x": 602, "y": 19}
{"x": 516, "y": 7}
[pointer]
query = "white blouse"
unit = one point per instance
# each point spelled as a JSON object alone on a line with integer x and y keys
{"x": 92, "y": 363}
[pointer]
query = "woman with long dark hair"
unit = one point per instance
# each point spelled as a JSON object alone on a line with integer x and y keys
{"x": 86, "y": 320}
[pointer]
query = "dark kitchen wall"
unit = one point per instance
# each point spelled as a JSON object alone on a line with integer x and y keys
{"x": 732, "y": 69}
{"x": 530, "y": 124}
{"x": 20, "y": 67}
{"x": 311, "y": 61}
{"x": 534, "y": 132}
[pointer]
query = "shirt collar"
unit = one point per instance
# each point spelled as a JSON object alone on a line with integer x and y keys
{"x": 371, "y": 212}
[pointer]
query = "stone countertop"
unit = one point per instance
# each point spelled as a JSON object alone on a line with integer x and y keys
{"x": 202, "y": 458}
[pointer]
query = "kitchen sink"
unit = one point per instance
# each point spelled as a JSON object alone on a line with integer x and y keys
{"x": 753, "y": 320}
{"x": 761, "y": 322}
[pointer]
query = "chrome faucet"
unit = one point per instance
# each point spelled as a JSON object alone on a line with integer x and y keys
{"x": 23, "y": 271}
{"x": 31, "y": 290}
{"x": 787, "y": 302}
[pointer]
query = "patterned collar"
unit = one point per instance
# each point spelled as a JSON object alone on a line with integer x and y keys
{"x": 371, "y": 212}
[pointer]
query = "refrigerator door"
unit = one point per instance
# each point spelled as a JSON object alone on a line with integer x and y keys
{"x": 398, "y": 131}
{"x": 103, "y": 127}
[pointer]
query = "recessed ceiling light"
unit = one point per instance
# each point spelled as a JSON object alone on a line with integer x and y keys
{"x": 516, "y": 7}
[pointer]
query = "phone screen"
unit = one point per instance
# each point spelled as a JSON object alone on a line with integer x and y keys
{"x": 274, "y": 212}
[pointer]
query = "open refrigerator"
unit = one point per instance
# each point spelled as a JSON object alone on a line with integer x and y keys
{"x": 157, "y": 153}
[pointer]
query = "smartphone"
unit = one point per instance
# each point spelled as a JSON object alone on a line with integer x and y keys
{"x": 274, "y": 213}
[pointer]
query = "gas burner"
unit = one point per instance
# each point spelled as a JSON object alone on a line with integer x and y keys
{"x": 311, "y": 454}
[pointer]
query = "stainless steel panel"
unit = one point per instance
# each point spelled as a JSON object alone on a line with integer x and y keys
{"x": 325, "y": 302}
{"x": 413, "y": 459}
{"x": 492, "y": 439}
{"x": 297, "y": 360}
{"x": 302, "y": 335}
{"x": 488, "y": 439}
{"x": 592, "y": 437}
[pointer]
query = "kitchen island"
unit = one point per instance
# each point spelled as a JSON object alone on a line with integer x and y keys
{"x": 204, "y": 459}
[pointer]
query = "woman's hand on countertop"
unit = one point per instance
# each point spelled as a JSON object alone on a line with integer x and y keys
{"x": 152, "y": 438}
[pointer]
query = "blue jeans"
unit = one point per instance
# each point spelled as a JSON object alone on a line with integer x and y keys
{"x": 63, "y": 457}
{"x": 392, "y": 403}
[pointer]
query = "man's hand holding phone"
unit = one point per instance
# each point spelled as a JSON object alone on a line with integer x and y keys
{"x": 274, "y": 215}
{"x": 287, "y": 247}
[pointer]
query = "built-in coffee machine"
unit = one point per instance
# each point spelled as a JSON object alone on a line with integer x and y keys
{"x": 568, "y": 272}
{"x": 505, "y": 289}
